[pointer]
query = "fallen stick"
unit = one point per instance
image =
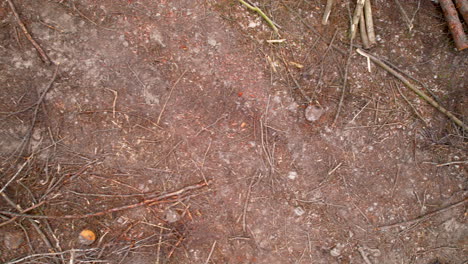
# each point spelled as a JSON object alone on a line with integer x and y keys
{"x": 23, "y": 211}
{"x": 160, "y": 198}
{"x": 415, "y": 111}
{"x": 364, "y": 36}
{"x": 345, "y": 82}
{"x": 260, "y": 12}
{"x": 369, "y": 22}
{"x": 169, "y": 97}
{"x": 41, "y": 52}
{"x": 424, "y": 217}
{"x": 454, "y": 24}
{"x": 414, "y": 89}
{"x": 356, "y": 17}
{"x": 327, "y": 12}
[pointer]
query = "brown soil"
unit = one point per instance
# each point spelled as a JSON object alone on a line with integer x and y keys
{"x": 154, "y": 96}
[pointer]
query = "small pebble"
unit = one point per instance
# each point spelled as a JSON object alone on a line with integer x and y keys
{"x": 171, "y": 216}
{"x": 292, "y": 175}
{"x": 313, "y": 113}
{"x": 336, "y": 251}
{"x": 13, "y": 240}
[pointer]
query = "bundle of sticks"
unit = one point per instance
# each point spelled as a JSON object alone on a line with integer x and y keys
{"x": 362, "y": 16}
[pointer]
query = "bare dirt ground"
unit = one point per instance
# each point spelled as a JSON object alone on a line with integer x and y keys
{"x": 152, "y": 97}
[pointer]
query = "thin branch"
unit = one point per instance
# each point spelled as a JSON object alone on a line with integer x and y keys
{"x": 211, "y": 252}
{"x": 16, "y": 175}
{"x": 424, "y": 217}
{"x": 408, "y": 21}
{"x": 169, "y": 96}
{"x": 41, "y": 52}
{"x": 411, "y": 105}
{"x": 260, "y": 12}
{"x": 345, "y": 81}
{"x": 160, "y": 198}
{"x": 414, "y": 89}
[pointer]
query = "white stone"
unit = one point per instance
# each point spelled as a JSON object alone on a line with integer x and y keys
{"x": 292, "y": 175}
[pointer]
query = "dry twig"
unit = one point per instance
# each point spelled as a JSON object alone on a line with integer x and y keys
{"x": 211, "y": 252}
{"x": 169, "y": 96}
{"x": 41, "y": 52}
{"x": 408, "y": 21}
{"x": 424, "y": 217}
{"x": 356, "y": 17}
{"x": 410, "y": 104}
{"x": 414, "y": 89}
{"x": 175, "y": 195}
{"x": 345, "y": 81}
{"x": 260, "y": 12}
{"x": 246, "y": 204}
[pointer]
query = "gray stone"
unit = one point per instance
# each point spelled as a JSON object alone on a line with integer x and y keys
{"x": 172, "y": 216}
{"x": 313, "y": 113}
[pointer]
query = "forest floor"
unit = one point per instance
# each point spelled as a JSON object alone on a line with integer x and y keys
{"x": 177, "y": 133}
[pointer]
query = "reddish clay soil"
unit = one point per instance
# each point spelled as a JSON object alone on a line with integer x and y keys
{"x": 154, "y": 97}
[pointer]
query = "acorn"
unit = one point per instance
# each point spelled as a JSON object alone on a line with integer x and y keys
{"x": 87, "y": 237}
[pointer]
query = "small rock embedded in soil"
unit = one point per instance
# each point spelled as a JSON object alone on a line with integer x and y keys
{"x": 212, "y": 42}
{"x": 172, "y": 216}
{"x": 292, "y": 175}
{"x": 13, "y": 240}
{"x": 299, "y": 211}
{"x": 313, "y": 113}
{"x": 336, "y": 250}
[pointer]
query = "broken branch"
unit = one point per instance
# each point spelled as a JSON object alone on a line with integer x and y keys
{"x": 41, "y": 52}
{"x": 260, "y": 12}
{"x": 414, "y": 89}
{"x": 369, "y": 22}
{"x": 356, "y": 17}
{"x": 160, "y": 198}
{"x": 426, "y": 216}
